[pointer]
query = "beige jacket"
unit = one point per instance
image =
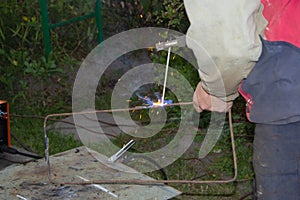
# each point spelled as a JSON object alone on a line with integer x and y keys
{"x": 224, "y": 36}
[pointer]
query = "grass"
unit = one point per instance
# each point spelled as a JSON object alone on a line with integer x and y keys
{"x": 29, "y": 130}
{"x": 218, "y": 165}
{"x": 35, "y": 88}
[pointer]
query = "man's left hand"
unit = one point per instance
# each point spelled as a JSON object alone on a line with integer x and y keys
{"x": 204, "y": 101}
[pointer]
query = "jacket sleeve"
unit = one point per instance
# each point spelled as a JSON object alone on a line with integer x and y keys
{"x": 224, "y": 36}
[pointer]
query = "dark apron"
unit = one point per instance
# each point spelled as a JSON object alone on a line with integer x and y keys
{"x": 272, "y": 92}
{"x": 272, "y": 89}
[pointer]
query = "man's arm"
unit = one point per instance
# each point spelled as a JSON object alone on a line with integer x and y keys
{"x": 224, "y": 36}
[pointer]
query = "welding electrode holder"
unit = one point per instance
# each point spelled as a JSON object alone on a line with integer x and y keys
{"x": 179, "y": 42}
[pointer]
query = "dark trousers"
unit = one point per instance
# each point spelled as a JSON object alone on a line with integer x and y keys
{"x": 276, "y": 161}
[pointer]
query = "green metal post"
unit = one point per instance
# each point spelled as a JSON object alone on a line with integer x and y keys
{"x": 45, "y": 27}
{"x": 98, "y": 15}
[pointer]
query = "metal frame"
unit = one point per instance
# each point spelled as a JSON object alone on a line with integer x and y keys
{"x": 139, "y": 182}
{"x": 47, "y": 26}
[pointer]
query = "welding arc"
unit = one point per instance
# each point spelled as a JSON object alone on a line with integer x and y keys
{"x": 159, "y": 182}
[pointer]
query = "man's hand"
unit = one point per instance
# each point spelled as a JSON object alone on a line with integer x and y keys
{"x": 204, "y": 101}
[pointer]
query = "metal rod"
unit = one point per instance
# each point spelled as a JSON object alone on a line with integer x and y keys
{"x": 73, "y": 20}
{"x": 166, "y": 76}
{"x": 117, "y": 155}
{"x": 21, "y": 197}
{"x": 46, "y": 139}
{"x": 154, "y": 182}
{"x": 98, "y": 16}
{"x": 46, "y": 28}
{"x": 100, "y": 187}
{"x": 110, "y": 111}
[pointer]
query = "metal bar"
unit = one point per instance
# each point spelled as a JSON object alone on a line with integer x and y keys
{"x": 70, "y": 21}
{"x": 156, "y": 182}
{"x": 166, "y": 76}
{"x": 98, "y": 17}
{"x": 21, "y": 197}
{"x": 46, "y": 28}
{"x": 144, "y": 182}
{"x": 100, "y": 187}
{"x": 117, "y": 155}
{"x": 46, "y": 139}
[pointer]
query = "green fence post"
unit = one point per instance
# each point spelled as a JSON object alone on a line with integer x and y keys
{"x": 98, "y": 17}
{"x": 45, "y": 27}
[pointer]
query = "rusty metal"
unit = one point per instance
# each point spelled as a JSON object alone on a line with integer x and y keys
{"x": 140, "y": 182}
{"x": 46, "y": 139}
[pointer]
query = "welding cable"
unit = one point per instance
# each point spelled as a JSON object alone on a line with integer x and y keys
{"x": 246, "y": 195}
{"x": 105, "y": 122}
{"x": 20, "y": 143}
{"x": 11, "y": 150}
{"x": 118, "y": 125}
{"x": 16, "y": 162}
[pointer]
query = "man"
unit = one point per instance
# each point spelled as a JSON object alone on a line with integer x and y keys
{"x": 254, "y": 49}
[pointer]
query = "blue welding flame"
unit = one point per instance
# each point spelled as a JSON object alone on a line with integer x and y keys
{"x": 150, "y": 103}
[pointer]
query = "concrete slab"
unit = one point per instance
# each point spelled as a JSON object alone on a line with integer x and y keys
{"x": 30, "y": 181}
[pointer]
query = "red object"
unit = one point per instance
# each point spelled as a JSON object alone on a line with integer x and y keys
{"x": 248, "y": 99}
{"x": 284, "y": 20}
{"x": 5, "y": 123}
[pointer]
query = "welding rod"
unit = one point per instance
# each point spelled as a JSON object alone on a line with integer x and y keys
{"x": 117, "y": 155}
{"x": 166, "y": 76}
{"x": 21, "y": 197}
{"x": 99, "y": 187}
